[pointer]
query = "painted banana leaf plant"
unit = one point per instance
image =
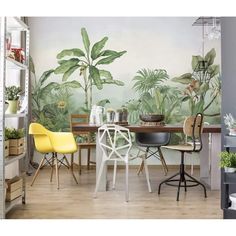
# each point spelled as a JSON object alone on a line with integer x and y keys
{"x": 87, "y": 63}
{"x": 154, "y": 96}
{"x": 51, "y": 100}
{"x": 203, "y": 85}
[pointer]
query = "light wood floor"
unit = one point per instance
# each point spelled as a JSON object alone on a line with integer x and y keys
{"x": 44, "y": 201}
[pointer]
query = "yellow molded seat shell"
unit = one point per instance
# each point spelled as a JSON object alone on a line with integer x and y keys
{"x": 41, "y": 138}
{"x": 63, "y": 142}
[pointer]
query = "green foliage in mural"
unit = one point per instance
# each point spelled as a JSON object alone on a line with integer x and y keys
{"x": 203, "y": 84}
{"x": 200, "y": 92}
{"x": 87, "y": 62}
{"x": 51, "y": 101}
{"x": 154, "y": 96}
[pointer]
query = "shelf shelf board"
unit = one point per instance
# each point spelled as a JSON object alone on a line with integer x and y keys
{"x": 13, "y": 64}
{"x": 16, "y": 24}
{"x": 17, "y": 115}
{"x": 11, "y": 159}
{"x": 11, "y": 204}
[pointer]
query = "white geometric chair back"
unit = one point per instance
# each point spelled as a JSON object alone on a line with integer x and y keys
{"x": 193, "y": 128}
{"x": 115, "y": 142}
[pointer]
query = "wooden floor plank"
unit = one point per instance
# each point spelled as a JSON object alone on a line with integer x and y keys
{"x": 73, "y": 201}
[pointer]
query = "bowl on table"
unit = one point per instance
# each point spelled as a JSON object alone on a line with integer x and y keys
{"x": 151, "y": 117}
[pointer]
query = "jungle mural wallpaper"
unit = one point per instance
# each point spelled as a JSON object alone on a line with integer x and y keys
{"x": 194, "y": 91}
{"x": 51, "y": 101}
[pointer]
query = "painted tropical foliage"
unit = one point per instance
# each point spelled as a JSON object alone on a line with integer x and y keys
{"x": 154, "y": 96}
{"x": 198, "y": 91}
{"x": 203, "y": 86}
{"x": 88, "y": 63}
{"x": 52, "y": 101}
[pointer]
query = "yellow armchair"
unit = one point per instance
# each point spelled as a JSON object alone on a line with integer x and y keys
{"x": 46, "y": 142}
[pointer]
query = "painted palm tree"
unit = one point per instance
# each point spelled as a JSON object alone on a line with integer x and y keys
{"x": 154, "y": 96}
{"x": 87, "y": 62}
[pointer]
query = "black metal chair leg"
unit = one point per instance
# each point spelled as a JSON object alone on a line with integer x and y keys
{"x": 166, "y": 180}
{"x": 198, "y": 183}
{"x": 177, "y": 199}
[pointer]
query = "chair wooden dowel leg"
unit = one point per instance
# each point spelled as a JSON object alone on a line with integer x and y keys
{"x": 52, "y": 167}
{"x": 147, "y": 175}
{"x": 72, "y": 162}
{"x": 57, "y": 174}
{"x": 79, "y": 161}
{"x": 67, "y": 162}
{"x": 37, "y": 171}
{"x": 140, "y": 167}
{"x": 88, "y": 161}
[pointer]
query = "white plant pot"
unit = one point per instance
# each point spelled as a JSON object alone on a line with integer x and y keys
{"x": 230, "y": 169}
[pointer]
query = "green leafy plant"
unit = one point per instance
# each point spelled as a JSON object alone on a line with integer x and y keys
{"x": 228, "y": 159}
{"x": 230, "y": 121}
{"x": 7, "y": 133}
{"x": 203, "y": 85}
{"x": 12, "y": 133}
{"x": 88, "y": 62}
{"x": 51, "y": 100}
{"x": 147, "y": 80}
{"x": 12, "y": 93}
{"x": 154, "y": 96}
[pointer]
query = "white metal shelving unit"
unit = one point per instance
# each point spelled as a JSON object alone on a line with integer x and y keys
{"x": 9, "y": 24}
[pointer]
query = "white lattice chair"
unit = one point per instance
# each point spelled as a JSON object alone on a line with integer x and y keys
{"x": 115, "y": 143}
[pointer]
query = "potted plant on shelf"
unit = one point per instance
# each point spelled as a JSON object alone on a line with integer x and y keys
{"x": 6, "y": 143}
{"x": 230, "y": 123}
{"x": 228, "y": 161}
{"x": 12, "y": 96}
{"x": 16, "y": 141}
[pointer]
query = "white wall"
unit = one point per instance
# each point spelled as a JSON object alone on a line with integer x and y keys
{"x": 151, "y": 42}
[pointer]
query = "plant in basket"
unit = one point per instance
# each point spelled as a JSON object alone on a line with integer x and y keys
{"x": 16, "y": 140}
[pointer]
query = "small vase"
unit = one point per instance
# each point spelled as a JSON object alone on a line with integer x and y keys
{"x": 110, "y": 117}
{"x": 12, "y": 107}
{"x": 124, "y": 116}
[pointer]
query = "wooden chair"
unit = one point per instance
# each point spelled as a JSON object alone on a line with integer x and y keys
{"x": 193, "y": 129}
{"x": 82, "y": 119}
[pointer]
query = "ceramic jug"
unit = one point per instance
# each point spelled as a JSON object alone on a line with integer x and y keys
{"x": 96, "y": 115}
